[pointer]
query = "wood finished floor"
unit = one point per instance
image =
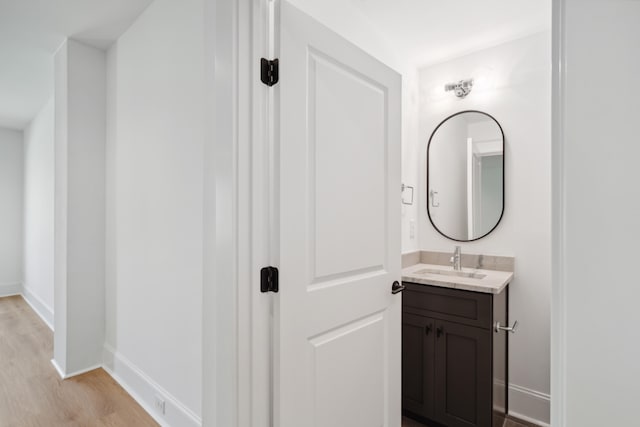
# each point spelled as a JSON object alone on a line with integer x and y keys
{"x": 33, "y": 395}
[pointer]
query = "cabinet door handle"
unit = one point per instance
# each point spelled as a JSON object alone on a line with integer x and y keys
{"x": 439, "y": 331}
{"x": 511, "y": 329}
{"x": 396, "y": 288}
{"x": 427, "y": 329}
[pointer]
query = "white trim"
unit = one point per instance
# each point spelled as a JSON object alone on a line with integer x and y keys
{"x": 531, "y": 405}
{"x": 65, "y": 376}
{"x": 40, "y": 307}
{"x": 221, "y": 220}
{"x": 59, "y": 370}
{"x": 10, "y": 289}
{"x": 143, "y": 390}
{"x": 236, "y": 320}
{"x": 558, "y": 300}
{"x": 260, "y": 208}
{"x": 527, "y": 419}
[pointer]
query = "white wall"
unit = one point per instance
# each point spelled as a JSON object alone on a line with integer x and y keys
{"x": 513, "y": 85}
{"x": 156, "y": 95}
{"x": 11, "y": 194}
{"x": 411, "y": 150}
{"x": 79, "y": 224}
{"x": 38, "y": 211}
{"x": 596, "y": 211}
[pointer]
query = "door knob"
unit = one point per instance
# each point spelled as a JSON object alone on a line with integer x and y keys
{"x": 396, "y": 288}
{"x": 428, "y": 329}
{"x": 439, "y": 331}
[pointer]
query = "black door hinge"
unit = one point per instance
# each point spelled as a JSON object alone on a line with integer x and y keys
{"x": 269, "y": 71}
{"x": 269, "y": 279}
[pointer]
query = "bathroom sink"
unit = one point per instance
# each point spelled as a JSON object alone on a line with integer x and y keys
{"x": 469, "y": 279}
{"x": 451, "y": 273}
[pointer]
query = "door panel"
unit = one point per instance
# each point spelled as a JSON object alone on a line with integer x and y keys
{"x": 337, "y": 325}
{"x": 360, "y": 372}
{"x": 463, "y": 373}
{"x": 340, "y": 101}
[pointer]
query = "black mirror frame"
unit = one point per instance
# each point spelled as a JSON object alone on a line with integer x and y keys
{"x": 504, "y": 152}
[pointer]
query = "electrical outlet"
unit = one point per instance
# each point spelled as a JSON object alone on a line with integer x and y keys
{"x": 412, "y": 229}
{"x": 158, "y": 403}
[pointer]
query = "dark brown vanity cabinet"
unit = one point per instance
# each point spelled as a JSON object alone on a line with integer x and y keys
{"x": 453, "y": 361}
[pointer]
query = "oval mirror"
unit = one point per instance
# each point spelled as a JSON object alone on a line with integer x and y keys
{"x": 465, "y": 176}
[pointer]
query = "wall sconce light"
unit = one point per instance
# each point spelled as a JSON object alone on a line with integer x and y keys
{"x": 461, "y": 89}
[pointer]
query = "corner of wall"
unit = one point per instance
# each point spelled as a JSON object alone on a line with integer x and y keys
{"x": 10, "y": 289}
{"x": 79, "y": 206}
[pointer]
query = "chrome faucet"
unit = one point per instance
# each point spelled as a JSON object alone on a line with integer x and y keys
{"x": 456, "y": 258}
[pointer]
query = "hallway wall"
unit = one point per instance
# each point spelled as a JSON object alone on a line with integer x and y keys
{"x": 11, "y": 193}
{"x": 155, "y": 137}
{"x": 38, "y": 211}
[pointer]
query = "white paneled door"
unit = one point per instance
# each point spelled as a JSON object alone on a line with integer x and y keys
{"x": 337, "y": 323}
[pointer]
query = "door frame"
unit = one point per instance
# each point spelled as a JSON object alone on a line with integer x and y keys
{"x": 558, "y": 217}
{"x": 238, "y": 215}
{"x": 238, "y": 186}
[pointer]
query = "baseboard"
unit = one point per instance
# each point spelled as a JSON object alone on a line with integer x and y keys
{"x": 58, "y": 369}
{"x": 10, "y": 289}
{"x": 144, "y": 390}
{"x": 529, "y": 405}
{"x": 42, "y": 310}
{"x": 64, "y": 375}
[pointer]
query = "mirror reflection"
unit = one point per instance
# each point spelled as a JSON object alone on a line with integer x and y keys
{"x": 465, "y": 176}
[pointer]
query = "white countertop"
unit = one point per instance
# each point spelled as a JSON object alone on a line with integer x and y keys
{"x": 493, "y": 281}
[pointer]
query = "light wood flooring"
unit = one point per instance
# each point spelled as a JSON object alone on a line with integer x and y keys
{"x": 33, "y": 395}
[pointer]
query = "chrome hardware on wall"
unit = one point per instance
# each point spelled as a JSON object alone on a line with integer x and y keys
{"x": 407, "y": 187}
{"x": 461, "y": 88}
{"x": 432, "y": 196}
{"x": 396, "y": 288}
{"x": 511, "y": 329}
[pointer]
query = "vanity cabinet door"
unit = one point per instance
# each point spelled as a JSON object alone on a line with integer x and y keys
{"x": 462, "y": 375}
{"x": 418, "y": 354}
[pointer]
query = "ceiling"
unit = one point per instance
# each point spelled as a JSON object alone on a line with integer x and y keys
{"x": 30, "y": 33}
{"x": 430, "y": 31}
{"x": 423, "y": 31}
